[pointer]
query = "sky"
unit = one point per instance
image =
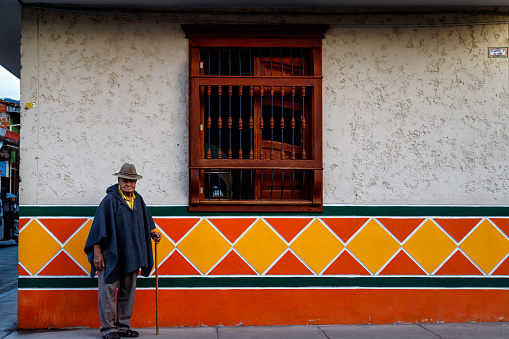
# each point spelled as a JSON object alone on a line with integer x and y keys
{"x": 9, "y": 85}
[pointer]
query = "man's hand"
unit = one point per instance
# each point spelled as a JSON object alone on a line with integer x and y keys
{"x": 98, "y": 258}
{"x": 156, "y": 236}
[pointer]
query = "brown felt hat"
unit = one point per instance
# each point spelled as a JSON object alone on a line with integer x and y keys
{"x": 128, "y": 171}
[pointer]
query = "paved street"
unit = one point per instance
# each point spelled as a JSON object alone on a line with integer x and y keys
{"x": 8, "y": 313}
{"x": 8, "y": 287}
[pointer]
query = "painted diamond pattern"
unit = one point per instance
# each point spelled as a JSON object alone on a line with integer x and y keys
{"x": 204, "y": 246}
{"x": 373, "y": 245}
{"x": 260, "y": 246}
{"x": 429, "y": 246}
{"x": 486, "y": 246}
{"x": 75, "y": 245}
{"x": 317, "y": 246}
{"x": 36, "y": 247}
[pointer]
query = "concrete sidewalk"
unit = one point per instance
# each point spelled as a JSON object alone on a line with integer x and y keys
{"x": 412, "y": 331}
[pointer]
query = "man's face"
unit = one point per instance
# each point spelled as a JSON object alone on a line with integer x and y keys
{"x": 127, "y": 185}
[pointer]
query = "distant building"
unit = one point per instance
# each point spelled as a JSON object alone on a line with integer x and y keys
{"x": 9, "y": 145}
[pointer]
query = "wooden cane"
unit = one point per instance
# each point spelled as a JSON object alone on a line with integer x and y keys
{"x": 157, "y": 293}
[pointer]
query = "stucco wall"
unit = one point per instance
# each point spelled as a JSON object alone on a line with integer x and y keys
{"x": 108, "y": 90}
{"x": 416, "y": 115}
{"x": 412, "y": 114}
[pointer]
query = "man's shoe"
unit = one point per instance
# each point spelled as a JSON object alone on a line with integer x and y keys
{"x": 128, "y": 334}
{"x": 111, "y": 335}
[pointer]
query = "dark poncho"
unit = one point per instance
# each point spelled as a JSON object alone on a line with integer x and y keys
{"x": 124, "y": 236}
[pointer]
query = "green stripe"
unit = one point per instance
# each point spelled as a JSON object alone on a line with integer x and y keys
{"x": 57, "y": 211}
{"x": 357, "y": 211}
{"x": 281, "y": 282}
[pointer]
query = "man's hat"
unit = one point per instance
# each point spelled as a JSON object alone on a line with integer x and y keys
{"x": 128, "y": 171}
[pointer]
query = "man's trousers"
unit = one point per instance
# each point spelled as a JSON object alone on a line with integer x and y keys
{"x": 117, "y": 317}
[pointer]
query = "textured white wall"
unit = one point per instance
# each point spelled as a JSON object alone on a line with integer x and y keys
{"x": 416, "y": 116}
{"x": 108, "y": 91}
{"x": 413, "y": 115}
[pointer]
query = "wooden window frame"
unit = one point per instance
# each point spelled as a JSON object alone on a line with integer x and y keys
{"x": 245, "y": 36}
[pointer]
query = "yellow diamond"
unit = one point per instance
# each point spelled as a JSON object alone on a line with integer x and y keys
{"x": 373, "y": 246}
{"x": 36, "y": 247}
{"x": 317, "y": 246}
{"x": 204, "y": 246}
{"x": 430, "y": 246}
{"x": 164, "y": 248}
{"x": 75, "y": 246}
{"x": 486, "y": 246}
{"x": 260, "y": 246}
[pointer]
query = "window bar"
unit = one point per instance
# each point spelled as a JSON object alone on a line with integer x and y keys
{"x": 293, "y": 134}
{"x": 270, "y": 58}
{"x": 303, "y": 64}
{"x": 251, "y": 127}
{"x": 209, "y": 123}
{"x": 261, "y": 124}
{"x": 282, "y": 138}
{"x": 292, "y": 123}
{"x": 271, "y": 131}
{"x": 261, "y": 111}
{"x": 282, "y": 68}
{"x": 282, "y": 125}
{"x": 219, "y": 59}
{"x": 251, "y": 124}
{"x": 250, "y": 62}
{"x": 230, "y": 121}
{"x": 209, "y": 132}
{"x": 219, "y": 127}
{"x": 241, "y": 156}
{"x": 219, "y": 124}
{"x": 261, "y": 62}
{"x": 271, "y": 115}
{"x": 282, "y": 110}
{"x": 303, "y": 123}
{"x": 230, "y": 125}
{"x": 219, "y": 121}
{"x": 261, "y": 132}
{"x": 229, "y": 62}
{"x": 271, "y": 124}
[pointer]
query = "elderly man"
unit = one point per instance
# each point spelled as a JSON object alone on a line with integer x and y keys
{"x": 118, "y": 246}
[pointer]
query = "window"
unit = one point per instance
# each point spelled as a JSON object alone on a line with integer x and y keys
{"x": 255, "y": 120}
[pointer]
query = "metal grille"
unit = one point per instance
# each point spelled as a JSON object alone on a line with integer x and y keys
{"x": 256, "y": 122}
{"x": 231, "y": 61}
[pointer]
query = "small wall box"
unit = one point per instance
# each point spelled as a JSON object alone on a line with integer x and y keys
{"x": 497, "y": 52}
